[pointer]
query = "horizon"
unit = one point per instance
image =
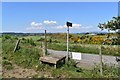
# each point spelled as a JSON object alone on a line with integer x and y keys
{"x": 52, "y": 33}
{"x": 32, "y": 17}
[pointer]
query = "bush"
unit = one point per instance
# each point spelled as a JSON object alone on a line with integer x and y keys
{"x": 6, "y": 36}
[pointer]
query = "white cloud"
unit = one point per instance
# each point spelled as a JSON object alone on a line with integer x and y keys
{"x": 74, "y": 26}
{"x": 35, "y": 26}
{"x": 49, "y": 22}
{"x": 87, "y": 27}
{"x": 61, "y": 27}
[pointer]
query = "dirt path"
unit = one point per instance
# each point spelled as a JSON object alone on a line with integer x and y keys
{"x": 18, "y": 72}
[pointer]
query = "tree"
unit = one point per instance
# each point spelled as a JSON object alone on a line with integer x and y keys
{"x": 111, "y": 25}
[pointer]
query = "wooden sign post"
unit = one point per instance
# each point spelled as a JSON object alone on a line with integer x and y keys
{"x": 101, "y": 67}
{"x": 45, "y": 43}
{"x": 16, "y": 46}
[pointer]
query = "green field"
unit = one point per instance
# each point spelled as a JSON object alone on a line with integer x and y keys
{"x": 33, "y": 37}
{"x": 58, "y": 42}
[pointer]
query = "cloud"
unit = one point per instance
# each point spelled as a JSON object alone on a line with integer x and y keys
{"x": 74, "y": 26}
{"x": 61, "y": 27}
{"x": 49, "y": 22}
{"x": 35, "y": 26}
{"x": 87, "y": 27}
{"x": 45, "y": 23}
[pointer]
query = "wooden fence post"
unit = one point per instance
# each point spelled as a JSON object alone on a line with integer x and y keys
{"x": 45, "y": 43}
{"x": 16, "y": 46}
{"x": 101, "y": 65}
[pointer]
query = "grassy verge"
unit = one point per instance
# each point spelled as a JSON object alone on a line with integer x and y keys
{"x": 93, "y": 49}
{"x": 70, "y": 71}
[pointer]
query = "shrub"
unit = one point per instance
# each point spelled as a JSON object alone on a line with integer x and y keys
{"x": 7, "y": 36}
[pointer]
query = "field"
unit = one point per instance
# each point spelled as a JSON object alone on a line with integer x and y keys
{"x": 87, "y": 48}
{"x": 33, "y": 37}
{"x": 26, "y": 58}
{"x": 78, "y": 43}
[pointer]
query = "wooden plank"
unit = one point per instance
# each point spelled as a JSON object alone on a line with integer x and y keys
{"x": 51, "y": 59}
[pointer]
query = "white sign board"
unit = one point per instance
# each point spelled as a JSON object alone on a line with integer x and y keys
{"x": 76, "y": 55}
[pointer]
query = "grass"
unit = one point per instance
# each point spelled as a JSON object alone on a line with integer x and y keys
{"x": 0, "y": 44}
{"x": 70, "y": 71}
{"x": 33, "y": 37}
{"x": 93, "y": 49}
{"x": 27, "y": 56}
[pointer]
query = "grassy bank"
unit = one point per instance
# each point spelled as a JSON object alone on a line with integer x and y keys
{"x": 87, "y": 48}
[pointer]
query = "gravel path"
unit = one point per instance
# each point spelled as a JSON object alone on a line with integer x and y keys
{"x": 88, "y": 60}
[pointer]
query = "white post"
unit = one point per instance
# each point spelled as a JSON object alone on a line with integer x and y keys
{"x": 68, "y": 42}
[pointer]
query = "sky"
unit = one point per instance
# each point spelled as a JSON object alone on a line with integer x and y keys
{"x": 60, "y": 0}
{"x": 35, "y": 17}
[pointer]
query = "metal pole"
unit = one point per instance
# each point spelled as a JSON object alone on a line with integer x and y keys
{"x": 68, "y": 42}
{"x": 100, "y": 54}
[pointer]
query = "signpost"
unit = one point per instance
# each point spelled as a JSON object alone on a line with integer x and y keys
{"x": 68, "y": 25}
{"x": 76, "y": 56}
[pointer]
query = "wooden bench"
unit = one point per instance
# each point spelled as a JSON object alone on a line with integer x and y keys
{"x": 56, "y": 61}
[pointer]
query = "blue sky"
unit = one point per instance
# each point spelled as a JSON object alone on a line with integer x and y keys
{"x": 52, "y": 16}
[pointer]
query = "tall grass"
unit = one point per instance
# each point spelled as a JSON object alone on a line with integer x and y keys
{"x": 27, "y": 55}
{"x": 87, "y": 48}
